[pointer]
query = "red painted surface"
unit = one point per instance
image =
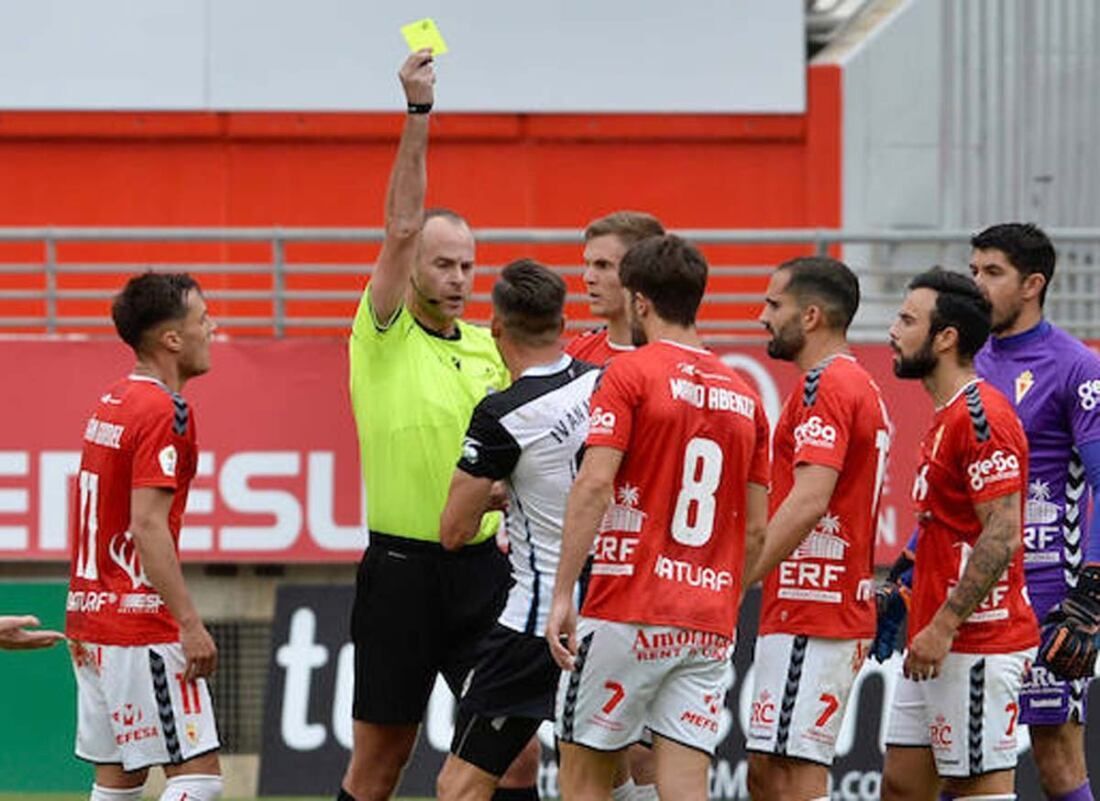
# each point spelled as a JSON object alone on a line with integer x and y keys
{"x": 268, "y": 169}
{"x": 294, "y": 437}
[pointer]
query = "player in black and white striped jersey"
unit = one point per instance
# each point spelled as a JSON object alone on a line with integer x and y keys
{"x": 528, "y": 436}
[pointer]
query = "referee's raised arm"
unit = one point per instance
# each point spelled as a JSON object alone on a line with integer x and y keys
{"x": 406, "y": 190}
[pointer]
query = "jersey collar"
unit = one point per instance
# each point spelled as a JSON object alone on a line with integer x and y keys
{"x": 1023, "y": 339}
{"x": 962, "y": 389}
{"x": 549, "y": 369}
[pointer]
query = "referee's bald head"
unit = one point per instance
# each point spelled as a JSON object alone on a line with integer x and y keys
{"x": 529, "y": 302}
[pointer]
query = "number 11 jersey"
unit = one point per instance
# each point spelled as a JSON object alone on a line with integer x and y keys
{"x": 671, "y": 547}
{"x": 141, "y": 435}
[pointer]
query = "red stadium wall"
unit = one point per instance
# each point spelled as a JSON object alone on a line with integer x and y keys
{"x": 279, "y": 169}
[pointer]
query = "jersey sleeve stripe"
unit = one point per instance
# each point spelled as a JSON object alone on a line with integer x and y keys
{"x": 181, "y": 415}
{"x": 812, "y": 384}
{"x": 977, "y": 413}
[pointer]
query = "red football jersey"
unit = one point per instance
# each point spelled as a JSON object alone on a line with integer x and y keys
{"x": 671, "y": 546}
{"x": 825, "y": 588}
{"x": 595, "y": 348}
{"x": 975, "y": 451}
{"x": 141, "y": 434}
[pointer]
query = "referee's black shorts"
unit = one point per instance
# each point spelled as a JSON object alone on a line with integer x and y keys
{"x": 419, "y": 610}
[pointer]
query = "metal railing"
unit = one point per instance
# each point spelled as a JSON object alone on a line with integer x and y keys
{"x": 884, "y": 259}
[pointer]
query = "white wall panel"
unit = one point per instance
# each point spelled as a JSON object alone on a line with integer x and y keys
{"x": 568, "y": 55}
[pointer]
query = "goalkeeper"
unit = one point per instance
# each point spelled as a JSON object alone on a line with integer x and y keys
{"x": 1054, "y": 382}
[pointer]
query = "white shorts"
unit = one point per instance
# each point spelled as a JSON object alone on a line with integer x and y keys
{"x": 800, "y": 694}
{"x": 134, "y": 709}
{"x": 967, "y": 715}
{"x": 632, "y": 677}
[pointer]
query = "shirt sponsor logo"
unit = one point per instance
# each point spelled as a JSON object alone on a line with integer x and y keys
{"x": 109, "y": 435}
{"x": 624, "y": 515}
{"x": 613, "y": 555}
{"x": 167, "y": 458}
{"x": 89, "y": 601}
{"x": 148, "y": 603}
{"x": 1089, "y": 393}
{"x": 601, "y": 421}
{"x": 815, "y": 433}
{"x": 823, "y": 542}
{"x": 1039, "y": 510}
{"x": 123, "y": 552}
{"x": 701, "y": 576}
{"x": 999, "y": 467}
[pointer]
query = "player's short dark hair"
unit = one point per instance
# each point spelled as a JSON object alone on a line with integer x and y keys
{"x": 671, "y": 272}
{"x": 629, "y": 226}
{"x": 829, "y": 283}
{"x": 148, "y": 300}
{"x": 959, "y": 305}
{"x": 529, "y": 300}
{"x": 1027, "y": 247}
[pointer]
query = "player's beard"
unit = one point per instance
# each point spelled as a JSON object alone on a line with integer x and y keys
{"x": 1005, "y": 322}
{"x": 787, "y": 342}
{"x": 919, "y": 365}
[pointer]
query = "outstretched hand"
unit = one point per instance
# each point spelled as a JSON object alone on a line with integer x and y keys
{"x": 14, "y": 635}
{"x": 418, "y": 77}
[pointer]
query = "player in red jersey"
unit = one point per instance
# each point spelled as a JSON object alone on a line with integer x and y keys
{"x": 674, "y": 482}
{"x": 817, "y": 561}
{"x": 140, "y": 650}
{"x": 972, "y": 634}
{"x": 605, "y": 242}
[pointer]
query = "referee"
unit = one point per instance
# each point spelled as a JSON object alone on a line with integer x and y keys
{"x": 417, "y": 372}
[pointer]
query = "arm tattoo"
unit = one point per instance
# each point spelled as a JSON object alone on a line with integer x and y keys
{"x": 990, "y": 558}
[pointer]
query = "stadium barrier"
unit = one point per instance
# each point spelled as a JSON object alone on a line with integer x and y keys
{"x": 273, "y": 281}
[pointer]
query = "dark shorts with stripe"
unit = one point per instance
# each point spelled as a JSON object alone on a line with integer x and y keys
{"x": 419, "y": 611}
{"x": 507, "y": 696}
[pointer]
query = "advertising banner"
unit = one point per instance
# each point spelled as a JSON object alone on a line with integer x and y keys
{"x": 308, "y": 730}
{"x": 278, "y": 473}
{"x": 38, "y": 701}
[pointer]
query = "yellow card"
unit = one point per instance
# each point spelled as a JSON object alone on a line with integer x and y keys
{"x": 424, "y": 33}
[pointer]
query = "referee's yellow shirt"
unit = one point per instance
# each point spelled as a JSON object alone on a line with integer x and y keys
{"x": 412, "y": 394}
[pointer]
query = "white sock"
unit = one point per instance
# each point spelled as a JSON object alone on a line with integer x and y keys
{"x": 624, "y": 792}
{"x": 114, "y": 794}
{"x": 192, "y": 787}
{"x": 646, "y": 792}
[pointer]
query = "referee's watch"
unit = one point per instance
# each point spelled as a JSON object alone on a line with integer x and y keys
{"x": 419, "y": 108}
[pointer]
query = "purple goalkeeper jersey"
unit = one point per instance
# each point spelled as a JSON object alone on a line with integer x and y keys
{"x": 1053, "y": 380}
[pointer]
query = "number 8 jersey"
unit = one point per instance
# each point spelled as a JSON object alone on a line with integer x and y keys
{"x": 671, "y": 547}
{"x": 141, "y": 434}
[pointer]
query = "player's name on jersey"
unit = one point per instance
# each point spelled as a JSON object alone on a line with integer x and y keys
{"x": 717, "y": 399}
{"x": 100, "y": 432}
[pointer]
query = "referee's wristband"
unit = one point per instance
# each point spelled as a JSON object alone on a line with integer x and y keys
{"x": 419, "y": 108}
